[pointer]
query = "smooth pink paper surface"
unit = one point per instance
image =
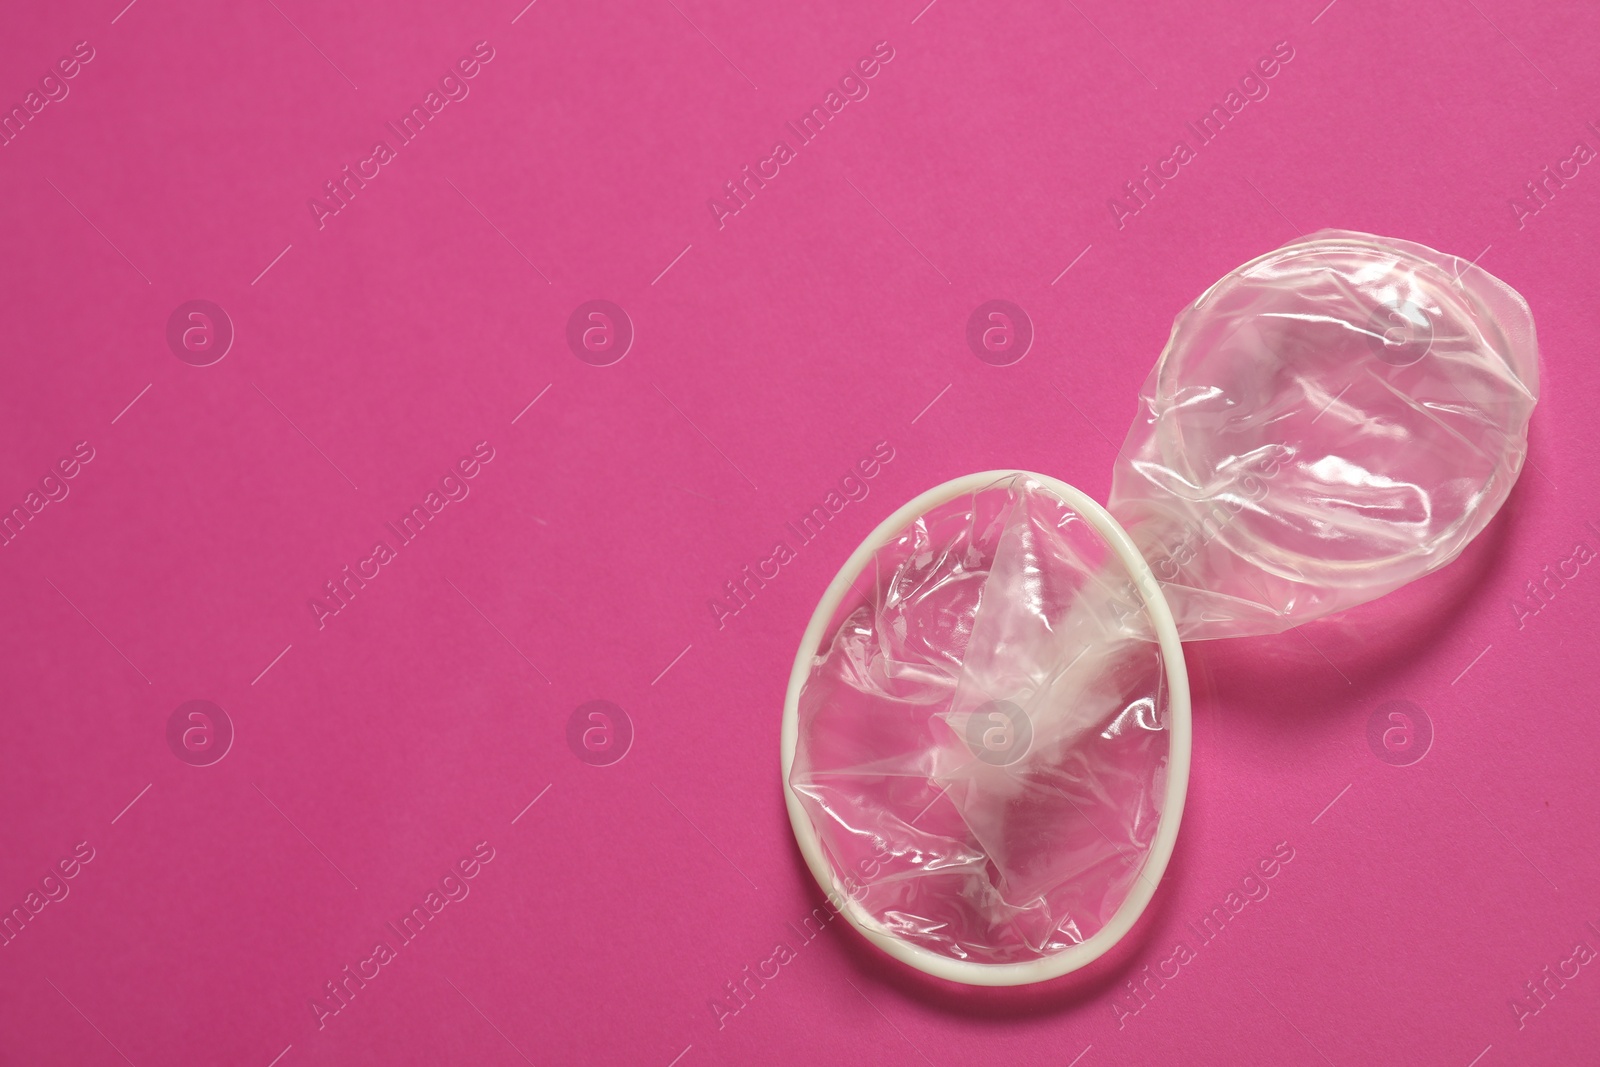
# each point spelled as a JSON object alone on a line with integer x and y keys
{"x": 1444, "y": 911}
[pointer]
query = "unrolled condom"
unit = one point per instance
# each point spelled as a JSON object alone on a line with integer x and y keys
{"x": 986, "y": 731}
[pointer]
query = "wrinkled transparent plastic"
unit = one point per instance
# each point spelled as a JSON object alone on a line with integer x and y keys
{"x": 983, "y": 741}
{"x": 981, "y": 758}
{"x": 1327, "y": 423}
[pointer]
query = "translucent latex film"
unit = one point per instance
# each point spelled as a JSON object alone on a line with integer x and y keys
{"x": 1328, "y": 422}
{"x": 982, "y": 737}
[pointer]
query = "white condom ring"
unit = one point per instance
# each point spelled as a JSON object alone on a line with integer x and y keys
{"x": 1079, "y": 955}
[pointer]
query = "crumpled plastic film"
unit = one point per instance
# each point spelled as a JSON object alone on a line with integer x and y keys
{"x": 978, "y": 742}
{"x": 982, "y": 743}
{"x": 1327, "y": 423}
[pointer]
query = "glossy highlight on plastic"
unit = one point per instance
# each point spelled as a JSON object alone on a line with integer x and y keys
{"x": 986, "y": 737}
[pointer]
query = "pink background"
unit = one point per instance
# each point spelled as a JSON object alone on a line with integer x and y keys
{"x": 770, "y": 357}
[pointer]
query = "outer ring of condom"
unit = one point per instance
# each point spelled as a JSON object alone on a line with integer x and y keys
{"x": 1068, "y": 960}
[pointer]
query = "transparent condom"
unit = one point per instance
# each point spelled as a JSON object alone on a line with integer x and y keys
{"x": 986, "y": 733}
